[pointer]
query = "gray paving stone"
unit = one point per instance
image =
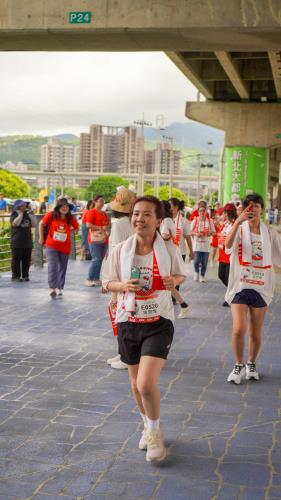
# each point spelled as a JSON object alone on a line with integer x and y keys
{"x": 73, "y": 427}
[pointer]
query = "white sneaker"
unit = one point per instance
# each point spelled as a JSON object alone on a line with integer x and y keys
{"x": 112, "y": 360}
{"x": 251, "y": 371}
{"x": 156, "y": 451}
{"x": 202, "y": 279}
{"x": 143, "y": 439}
{"x": 90, "y": 283}
{"x": 237, "y": 374}
{"x": 119, "y": 365}
{"x": 184, "y": 312}
{"x": 195, "y": 276}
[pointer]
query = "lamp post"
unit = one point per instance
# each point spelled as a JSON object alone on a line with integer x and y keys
{"x": 171, "y": 162}
{"x": 141, "y": 123}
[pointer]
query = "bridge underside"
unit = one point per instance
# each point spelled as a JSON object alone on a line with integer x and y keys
{"x": 229, "y": 50}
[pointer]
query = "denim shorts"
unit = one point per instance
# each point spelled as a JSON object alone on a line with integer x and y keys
{"x": 250, "y": 298}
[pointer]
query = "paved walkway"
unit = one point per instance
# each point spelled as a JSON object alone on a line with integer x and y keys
{"x": 69, "y": 428}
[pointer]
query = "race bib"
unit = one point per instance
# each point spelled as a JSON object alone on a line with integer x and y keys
{"x": 62, "y": 237}
{"x": 252, "y": 275}
{"x": 146, "y": 310}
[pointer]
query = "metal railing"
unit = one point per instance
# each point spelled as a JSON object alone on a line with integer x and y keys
{"x": 38, "y": 254}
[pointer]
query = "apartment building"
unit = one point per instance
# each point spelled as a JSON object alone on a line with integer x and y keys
{"x": 110, "y": 149}
{"x": 59, "y": 157}
{"x": 161, "y": 159}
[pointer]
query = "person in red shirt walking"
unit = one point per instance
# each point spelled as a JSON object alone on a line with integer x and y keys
{"x": 59, "y": 223}
{"x": 98, "y": 223}
{"x": 85, "y": 230}
{"x": 229, "y": 212}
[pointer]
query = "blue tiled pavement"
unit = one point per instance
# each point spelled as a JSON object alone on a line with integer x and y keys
{"x": 69, "y": 428}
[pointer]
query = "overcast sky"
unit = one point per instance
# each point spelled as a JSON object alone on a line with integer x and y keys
{"x": 51, "y": 93}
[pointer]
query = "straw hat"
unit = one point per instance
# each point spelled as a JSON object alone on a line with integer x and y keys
{"x": 123, "y": 201}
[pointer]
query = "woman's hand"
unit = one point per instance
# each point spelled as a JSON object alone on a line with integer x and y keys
{"x": 169, "y": 282}
{"x": 41, "y": 241}
{"x": 130, "y": 285}
{"x": 245, "y": 215}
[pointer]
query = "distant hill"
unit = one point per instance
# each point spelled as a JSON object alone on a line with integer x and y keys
{"x": 26, "y": 148}
{"x": 191, "y": 137}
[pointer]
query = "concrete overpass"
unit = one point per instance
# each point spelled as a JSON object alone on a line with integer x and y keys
{"x": 229, "y": 49}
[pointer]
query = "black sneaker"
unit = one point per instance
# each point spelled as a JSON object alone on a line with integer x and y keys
{"x": 26, "y": 278}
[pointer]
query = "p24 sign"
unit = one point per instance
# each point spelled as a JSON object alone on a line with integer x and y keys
{"x": 80, "y": 17}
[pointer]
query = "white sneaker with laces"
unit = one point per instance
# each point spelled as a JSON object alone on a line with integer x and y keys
{"x": 143, "y": 439}
{"x": 90, "y": 283}
{"x": 119, "y": 365}
{"x": 251, "y": 371}
{"x": 112, "y": 360}
{"x": 237, "y": 374}
{"x": 184, "y": 312}
{"x": 156, "y": 451}
{"x": 203, "y": 279}
{"x": 195, "y": 276}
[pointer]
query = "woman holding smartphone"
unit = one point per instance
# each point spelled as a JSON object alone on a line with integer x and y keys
{"x": 143, "y": 271}
{"x": 254, "y": 248}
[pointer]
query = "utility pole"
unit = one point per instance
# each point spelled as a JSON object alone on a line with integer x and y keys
{"x": 142, "y": 123}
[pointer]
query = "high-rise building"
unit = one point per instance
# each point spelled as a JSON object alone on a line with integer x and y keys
{"x": 161, "y": 159}
{"x": 110, "y": 149}
{"x": 59, "y": 157}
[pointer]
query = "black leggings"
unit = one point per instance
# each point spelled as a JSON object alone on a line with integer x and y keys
{"x": 224, "y": 272}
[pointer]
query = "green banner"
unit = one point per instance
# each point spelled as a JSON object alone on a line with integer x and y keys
{"x": 245, "y": 171}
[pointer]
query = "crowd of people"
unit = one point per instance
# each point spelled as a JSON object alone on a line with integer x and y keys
{"x": 139, "y": 247}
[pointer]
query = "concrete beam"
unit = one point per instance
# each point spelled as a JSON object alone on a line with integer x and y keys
{"x": 232, "y": 71}
{"x": 275, "y": 62}
{"x": 245, "y": 124}
{"x": 189, "y": 71}
{"x": 140, "y": 25}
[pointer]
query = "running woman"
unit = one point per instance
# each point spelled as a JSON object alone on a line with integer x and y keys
{"x": 254, "y": 248}
{"x": 168, "y": 232}
{"x": 143, "y": 271}
{"x": 59, "y": 224}
{"x": 229, "y": 212}
{"x": 202, "y": 228}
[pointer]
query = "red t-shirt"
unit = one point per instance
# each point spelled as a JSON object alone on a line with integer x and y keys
{"x": 99, "y": 219}
{"x": 195, "y": 214}
{"x": 59, "y": 235}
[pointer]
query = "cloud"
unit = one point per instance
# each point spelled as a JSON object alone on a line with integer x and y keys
{"x": 48, "y": 93}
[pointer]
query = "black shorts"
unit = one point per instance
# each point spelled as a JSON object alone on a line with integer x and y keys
{"x": 250, "y": 298}
{"x": 144, "y": 339}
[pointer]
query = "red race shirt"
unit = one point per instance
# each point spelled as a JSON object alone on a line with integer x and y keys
{"x": 99, "y": 219}
{"x": 59, "y": 235}
{"x": 195, "y": 214}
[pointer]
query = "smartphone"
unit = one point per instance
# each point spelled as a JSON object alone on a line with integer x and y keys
{"x": 135, "y": 273}
{"x": 250, "y": 209}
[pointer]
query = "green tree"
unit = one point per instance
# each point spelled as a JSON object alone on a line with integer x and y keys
{"x": 106, "y": 186}
{"x": 164, "y": 193}
{"x": 12, "y": 186}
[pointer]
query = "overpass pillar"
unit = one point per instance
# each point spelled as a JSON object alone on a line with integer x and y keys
{"x": 250, "y": 130}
